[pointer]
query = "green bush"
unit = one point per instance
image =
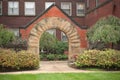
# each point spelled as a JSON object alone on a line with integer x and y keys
{"x": 61, "y": 47}
{"x": 9, "y": 60}
{"x": 50, "y": 56}
{"x": 108, "y": 59}
{"x": 61, "y": 56}
{"x": 43, "y": 56}
{"x": 6, "y": 36}
{"x": 50, "y": 44}
{"x": 106, "y": 29}
{"x": 18, "y": 44}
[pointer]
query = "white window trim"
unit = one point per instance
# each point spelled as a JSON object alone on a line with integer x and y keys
{"x": 50, "y": 5}
{"x": 25, "y": 9}
{"x": 52, "y": 30}
{"x": 70, "y": 8}
{"x": 62, "y": 37}
{"x": 88, "y": 3}
{"x": 77, "y": 10}
{"x": 8, "y": 8}
{"x": 96, "y": 3}
{"x": 16, "y": 31}
{"x": 1, "y": 7}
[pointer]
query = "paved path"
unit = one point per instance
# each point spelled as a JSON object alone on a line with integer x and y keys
{"x": 50, "y": 67}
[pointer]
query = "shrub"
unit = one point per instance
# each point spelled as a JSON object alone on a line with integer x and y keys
{"x": 61, "y": 47}
{"x": 106, "y": 29}
{"x": 50, "y": 44}
{"x": 18, "y": 61}
{"x": 6, "y": 36}
{"x": 18, "y": 44}
{"x": 108, "y": 59}
{"x": 43, "y": 56}
{"x": 61, "y": 56}
{"x": 50, "y": 56}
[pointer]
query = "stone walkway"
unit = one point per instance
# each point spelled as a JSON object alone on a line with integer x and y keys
{"x": 50, "y": 67}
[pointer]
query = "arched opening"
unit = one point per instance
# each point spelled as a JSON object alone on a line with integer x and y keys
{"x": 53, "y": 46}
{"x": 56, "y": 23}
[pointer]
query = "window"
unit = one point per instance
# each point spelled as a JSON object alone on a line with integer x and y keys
{"x": 97, "y": 2}
{"x": 48, "y": 4}
{"x": 88, "y": 3}
{"x": 15, "y": 31}
{"x": 52, "y": 31}
{"x": 63, "y": 37}
{"x": 13, "y": 8}
{"x": 80, "y": 9}
{"x": 29, "y": 8}
{"x": 66, "y": 7}
{"x": 0, "y": 7}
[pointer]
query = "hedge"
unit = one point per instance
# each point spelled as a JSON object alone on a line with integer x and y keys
{"x": 108, "y": 59}
{"x": 53, "y": 57}
{"x": 9, "y": 60}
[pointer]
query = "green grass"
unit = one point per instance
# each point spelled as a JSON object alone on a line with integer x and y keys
{"x": 93, "y": 69}
{"x": 63, "y": 76}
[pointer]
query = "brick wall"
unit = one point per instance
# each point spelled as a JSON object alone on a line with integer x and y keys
{"x": 21, "y": 19}
{"x": 112, "y": 8}
{"x": 95, "y": 15}
{"x": 88, "y": 20}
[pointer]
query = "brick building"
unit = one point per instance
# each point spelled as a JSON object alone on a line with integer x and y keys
{"x": 18, "y": 15}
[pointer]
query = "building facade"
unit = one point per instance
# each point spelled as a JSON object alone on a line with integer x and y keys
{"x": 17, "y": 14}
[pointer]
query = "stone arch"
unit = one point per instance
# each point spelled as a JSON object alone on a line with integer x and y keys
{"x": 57, "y": 23}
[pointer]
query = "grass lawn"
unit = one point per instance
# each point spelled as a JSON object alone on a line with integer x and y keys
{"x": 63, "y": 76}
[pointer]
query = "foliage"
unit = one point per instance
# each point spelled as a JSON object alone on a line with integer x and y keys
{"x": 50, "y": 44}
{"x": 97, "y": 45}
{"x": 50, "y": 56}
{"x": 61, "y": 47}
{"x": 9, "y": 60}
{"x": 5, "y": 36}
{"x": 17, "y": 44}
{"x": 106, "y": 30}
{"x": 61, "y": 56}
{"x": 108, "y": 59}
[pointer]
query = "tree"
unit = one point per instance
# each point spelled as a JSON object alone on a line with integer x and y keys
{"x": 6, "y": 36}
{"x": 106, "y": 30}
{"x": 48, "y": 42}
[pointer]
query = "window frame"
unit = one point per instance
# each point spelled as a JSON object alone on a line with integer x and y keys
{"x": 12, "y": 14}
{"x": 96, "y": 3}
{"x": 88, "y": 3}
{"x": 52, "y": 30}
{"x": 77, "y": 13}
{"x": 16, "y": 31}
{"x": 50, "y": 5}
{"x": 1, "y": 8}
{"x": 70, "y": 3}
{"x": 63, "y": 34}
{"x": 26, "y": 14}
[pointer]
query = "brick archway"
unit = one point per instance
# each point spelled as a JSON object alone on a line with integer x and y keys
{"x": 57, "y": 23}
